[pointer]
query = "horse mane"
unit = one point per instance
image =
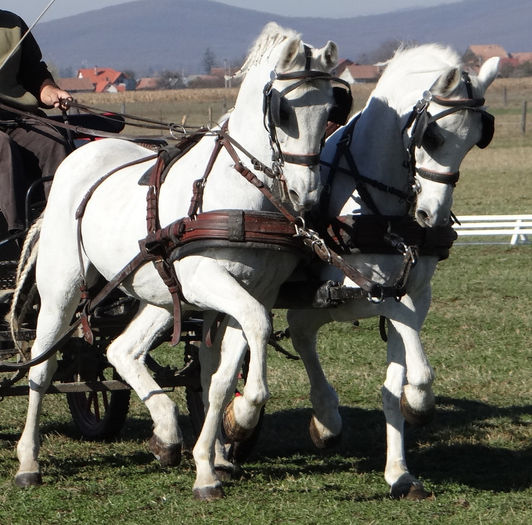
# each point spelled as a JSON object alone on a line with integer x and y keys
{"x": 268, "y": 41}
{"x": 422, "y": 59}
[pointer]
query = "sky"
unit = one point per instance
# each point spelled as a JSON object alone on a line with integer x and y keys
{"x": 29, "y": 10}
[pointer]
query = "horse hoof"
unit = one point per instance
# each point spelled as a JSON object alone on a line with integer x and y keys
{"x": 415, "y": 417}
{"x": 410, "y": 490}
{"x": 28, "y": 479}
{"x": 233, "y": 431}
{"x": 320, "y": 442}
{"x": 168, "y": 455}
{"x": 209, "y": 493}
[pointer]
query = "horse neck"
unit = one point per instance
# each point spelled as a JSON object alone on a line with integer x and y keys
{"x": 378, "y": 151}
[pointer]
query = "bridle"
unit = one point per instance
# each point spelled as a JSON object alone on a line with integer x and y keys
{"x": 420, "y": 120}
{"x": 276, "y": 108}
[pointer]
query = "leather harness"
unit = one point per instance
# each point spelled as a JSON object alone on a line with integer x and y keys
{"x": 162, "y": 246}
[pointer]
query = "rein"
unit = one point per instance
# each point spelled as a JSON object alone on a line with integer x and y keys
{"x": 64, "y": 125}
{"x": 159, "y": 243}
{"x": 135, "y": 121}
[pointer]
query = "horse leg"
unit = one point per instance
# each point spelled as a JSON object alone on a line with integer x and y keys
{"x": 228, "y": 295}
{"x": 401, "y": 342}
{"x": 52, "y": 324}
{"x": 326, "y": 422}
{"x": 127, "y": 354}
{"x": 207, "y": 485}
{"x": 209, "y": 356}
{"x": 417, "y": 399}
{"x": 402, "y": 483}
{"x": 209, "y": 285}
{"x": 242, "y": 414}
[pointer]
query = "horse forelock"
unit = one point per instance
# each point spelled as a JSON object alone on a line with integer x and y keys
{"x": 266, "y": 47}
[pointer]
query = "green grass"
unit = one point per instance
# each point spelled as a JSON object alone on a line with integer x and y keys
{"x": 475, "y": 456}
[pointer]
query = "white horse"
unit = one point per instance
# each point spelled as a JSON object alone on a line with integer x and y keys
{"x": 281, "y": 113}
{"x": 393, "y": 147}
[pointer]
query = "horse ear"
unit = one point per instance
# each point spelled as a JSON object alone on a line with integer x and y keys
{"x": 329, "y": 55}
{"x": 447, "y": 82}
{"x": 290, "y": 53}
{"x": 488, "y": 72}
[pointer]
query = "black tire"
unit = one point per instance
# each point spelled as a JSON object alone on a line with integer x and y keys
{"x": 99, "y": 416}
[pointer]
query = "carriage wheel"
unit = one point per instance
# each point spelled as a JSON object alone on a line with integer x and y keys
{"x": 238, "y": 451}
{"x": 99, "y": 415}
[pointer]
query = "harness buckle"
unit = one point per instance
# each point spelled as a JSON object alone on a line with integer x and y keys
{"x": 423, "y": 103}
{"x": 374, "y": 298}
{"x": 312, "y": 239}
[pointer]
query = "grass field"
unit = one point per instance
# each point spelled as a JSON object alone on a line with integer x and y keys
{"x": 475, "y": 456}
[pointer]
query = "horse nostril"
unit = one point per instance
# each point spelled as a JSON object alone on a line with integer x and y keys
{"x": 294, "y": 198}
{"x": 423, "y": 218}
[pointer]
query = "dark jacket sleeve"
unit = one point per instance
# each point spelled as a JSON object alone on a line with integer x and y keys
{"x": 33, "y": 72}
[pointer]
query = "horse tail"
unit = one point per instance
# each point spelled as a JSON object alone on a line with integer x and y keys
{"x": 25, "y": 296}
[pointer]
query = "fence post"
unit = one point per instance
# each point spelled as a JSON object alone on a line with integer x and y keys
{"x": 505, "y": 96}
{"x": 523, "y": 118}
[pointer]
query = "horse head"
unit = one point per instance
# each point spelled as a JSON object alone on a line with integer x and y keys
{"x": 445, "y": 123}
{"x": 297, "y": 98}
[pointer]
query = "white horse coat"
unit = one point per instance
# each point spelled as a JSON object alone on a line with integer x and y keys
{"x": 241, "y": 283}
{"x": 379, "y": 147}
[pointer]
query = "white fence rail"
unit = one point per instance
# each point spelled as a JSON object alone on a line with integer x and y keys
{"x": 488, "y": 229}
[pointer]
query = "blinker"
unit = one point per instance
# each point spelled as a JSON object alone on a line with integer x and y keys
{"x": 488, "y": 129}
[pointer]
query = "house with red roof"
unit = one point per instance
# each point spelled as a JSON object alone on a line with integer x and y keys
{"x": 147, "y": 83}
{"x": 341, "y": 65}
{"x": 104, "y": 79}
{"x": 477, "y": 54}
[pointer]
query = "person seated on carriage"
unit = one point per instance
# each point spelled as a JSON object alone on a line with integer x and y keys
{"x": 29, "y": 149}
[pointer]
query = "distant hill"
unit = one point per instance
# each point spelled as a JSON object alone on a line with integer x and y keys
{"x": 147, "y": 37}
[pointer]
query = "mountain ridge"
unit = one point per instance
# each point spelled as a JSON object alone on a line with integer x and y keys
{"x": 135, "y": 36}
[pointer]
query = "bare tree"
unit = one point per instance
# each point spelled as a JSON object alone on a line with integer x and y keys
{"x": 170, "y": 80}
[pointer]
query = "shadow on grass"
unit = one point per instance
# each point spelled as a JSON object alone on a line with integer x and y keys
{"x": 450, "y": 449}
